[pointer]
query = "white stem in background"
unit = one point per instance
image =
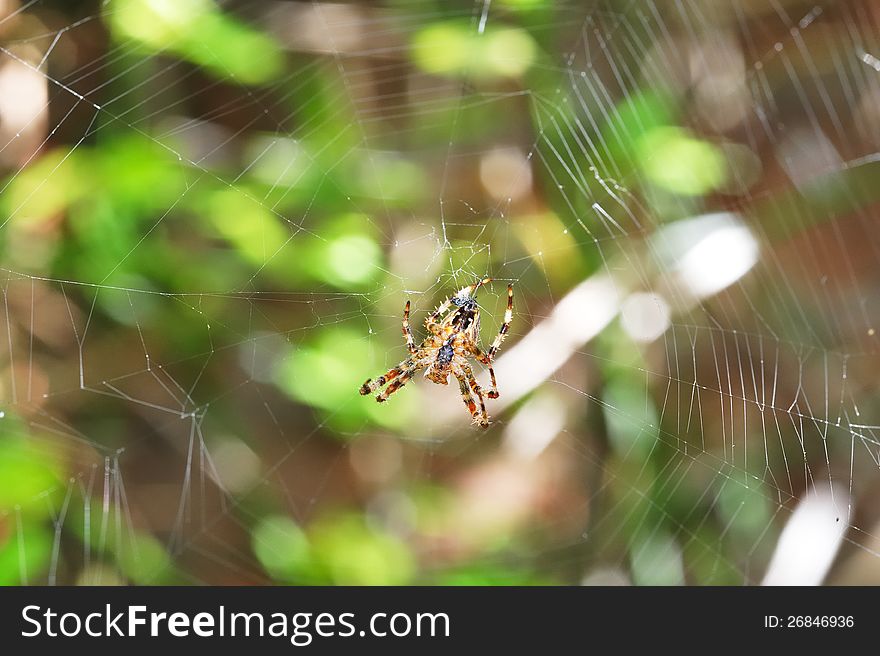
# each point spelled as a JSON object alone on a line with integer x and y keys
{"x": 810, "y": 540}
{"x": 577, "y": 318}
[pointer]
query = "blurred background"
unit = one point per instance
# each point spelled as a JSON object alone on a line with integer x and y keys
{"x": 212, "y": 214}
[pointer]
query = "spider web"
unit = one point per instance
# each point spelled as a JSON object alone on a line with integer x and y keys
{"x": 214, "y": 213}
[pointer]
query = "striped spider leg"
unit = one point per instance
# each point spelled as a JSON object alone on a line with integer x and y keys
{"x": 398, "y": 376}
{"x": 407, "y": 331}
{"x": 486, "y": 358}
{"x": 467, "y": 384}
{"x": 502, "y": 332}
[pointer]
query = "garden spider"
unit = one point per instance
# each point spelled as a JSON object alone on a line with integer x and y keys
{"x": 450, "y": 342}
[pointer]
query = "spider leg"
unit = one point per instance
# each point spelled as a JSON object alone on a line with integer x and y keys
{"x": 478, "y": 392}
{"x": 508, "y": 317}
{"x": 468, "y": 398}
{"x": 372, "y": 385}
{"x": 401, "y": 380}
{"x": 407, "y": 331}
{"x": 484, "y": 360}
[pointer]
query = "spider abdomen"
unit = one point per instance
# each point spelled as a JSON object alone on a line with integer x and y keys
{"x": 445, "y": 354}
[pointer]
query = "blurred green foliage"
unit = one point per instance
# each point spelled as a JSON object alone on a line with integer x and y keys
{"x": 197, "y": 30}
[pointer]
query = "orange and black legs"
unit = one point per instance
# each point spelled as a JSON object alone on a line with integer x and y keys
{"x": 407, "y": 331}
{"x": 399, "y": 382}
{"x": 372, "y": 385}
{"x": 492, "y": 393}
{"x": 508, "y": 317}
{"x": 468, "y": 398}
{"x": 478, "y": 392}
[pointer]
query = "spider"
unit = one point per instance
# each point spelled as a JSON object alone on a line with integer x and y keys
{"x": 450, "y": 342}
